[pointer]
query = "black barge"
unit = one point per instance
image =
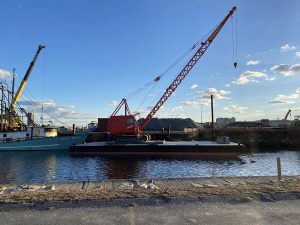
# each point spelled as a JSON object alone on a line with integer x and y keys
{"x": 203, "y": 149}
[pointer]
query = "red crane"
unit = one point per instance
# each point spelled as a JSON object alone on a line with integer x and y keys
{"x": 127, "y": 124}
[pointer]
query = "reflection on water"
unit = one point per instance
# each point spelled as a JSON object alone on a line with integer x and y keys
{"x": 39, "y": 167}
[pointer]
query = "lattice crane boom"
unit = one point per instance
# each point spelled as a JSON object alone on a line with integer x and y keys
{"x": 185, "y": 71}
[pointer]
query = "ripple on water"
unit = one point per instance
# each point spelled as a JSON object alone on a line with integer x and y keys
{"x": 36, "y": 167}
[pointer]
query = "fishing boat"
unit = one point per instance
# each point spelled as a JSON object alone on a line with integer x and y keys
{"x": 40, "y": 139}
{"x": 18, "y": 130}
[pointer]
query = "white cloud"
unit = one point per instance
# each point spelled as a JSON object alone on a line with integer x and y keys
{"x": 177, "y": 108}
{"x": 56, "y": 113}
{"x": 175, "y": 116}
{"x": 227, "y": 85}
{"x": 281, "y": 98}
{"x": 205, "y": 97}
{"x": 253, "y": 62}
{"x": 235, "y": 109}
{"x": 194, "y": 86}
{"x": 250, "y": 76}
{"x": 218, "y": 94}
{"x": 286, "y": 70}
{"x": 38, "y": 103}
{"x": 271, "y": 78}
{"x": 5, "y": 74}
{"x": 297, "y": 55}
{"x": 193, "y": 104}
{"x": 286, "y": 48}
{"x": 113, "y": 103}
{"x": 258, "y": 112}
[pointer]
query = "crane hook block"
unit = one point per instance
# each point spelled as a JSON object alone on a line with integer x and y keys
{"x": 235, "y": 64}
{"x": 157, "y": 79}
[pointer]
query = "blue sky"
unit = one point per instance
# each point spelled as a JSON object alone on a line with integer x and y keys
{"x": 97, "y": 52}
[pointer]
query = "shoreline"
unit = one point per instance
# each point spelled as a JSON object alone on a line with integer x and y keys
{"x": 212, "y": 189}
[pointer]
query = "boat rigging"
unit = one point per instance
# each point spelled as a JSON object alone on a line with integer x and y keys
{"x": 9, "y": 116}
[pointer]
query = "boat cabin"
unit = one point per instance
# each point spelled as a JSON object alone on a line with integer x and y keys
{"x": 30, "y": 133}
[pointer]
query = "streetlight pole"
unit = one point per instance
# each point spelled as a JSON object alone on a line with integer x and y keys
{"x": 201, "y": 112}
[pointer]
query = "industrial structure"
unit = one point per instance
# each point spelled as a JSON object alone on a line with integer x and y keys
{"x": 127, "y": 124}
{"x": 10, "y": 120}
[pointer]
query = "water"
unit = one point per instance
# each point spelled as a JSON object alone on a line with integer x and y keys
{"x": 41, "y": 167}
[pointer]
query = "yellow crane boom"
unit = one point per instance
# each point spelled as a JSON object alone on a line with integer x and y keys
{"x": 24, "y": 81}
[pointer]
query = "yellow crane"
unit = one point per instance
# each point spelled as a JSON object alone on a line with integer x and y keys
{"x": 11, "y": 116}
{"x": 287, "y": 114}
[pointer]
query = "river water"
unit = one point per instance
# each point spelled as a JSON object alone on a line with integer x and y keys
{"x": 41, "y": 167}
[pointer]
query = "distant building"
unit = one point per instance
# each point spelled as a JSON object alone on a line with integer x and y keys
{"x": 280, "y": 123}
{"x": 222, "y": 122}
{"x": 265, "y": 121}
{"x": 246, "y": 125}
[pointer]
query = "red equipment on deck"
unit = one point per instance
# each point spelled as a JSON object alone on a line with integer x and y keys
{"x": 127, "y": 124}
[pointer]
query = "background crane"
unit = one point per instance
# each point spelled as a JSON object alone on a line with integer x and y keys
{"x": 11, "y": 117}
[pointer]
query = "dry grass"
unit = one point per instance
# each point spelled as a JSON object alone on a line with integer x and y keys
{"x": 77, "y": 195}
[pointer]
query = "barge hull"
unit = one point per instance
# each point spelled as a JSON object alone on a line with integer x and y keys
{"x": 160, "y": 150}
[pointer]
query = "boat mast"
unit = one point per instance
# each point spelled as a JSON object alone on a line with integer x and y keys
{"x": 13, "y": 84}
{"x": 2, "y": 106}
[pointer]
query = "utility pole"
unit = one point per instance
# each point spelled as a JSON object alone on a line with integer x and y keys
{"x": 212, "y": 116}
{"x": 201, "y": 112}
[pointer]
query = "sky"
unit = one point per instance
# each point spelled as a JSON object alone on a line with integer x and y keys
{"x": 98, "y": 52}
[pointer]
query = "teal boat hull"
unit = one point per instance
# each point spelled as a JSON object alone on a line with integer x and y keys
{"x": 45, "y": 144}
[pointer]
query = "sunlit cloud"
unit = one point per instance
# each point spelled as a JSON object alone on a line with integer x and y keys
{"x": 192, "y": 104}
{"x": 286, "y": 70}
{"x": 236, "y": 109}
{"x": 258, "y": 112}
{"x": 194, "y": 86}
{"x": 177, "y": 108}
{"x": 271, "y": 78}
{"x": 218, "y": 94}
{"x": 297, "y": 55}
{"x": 253, "y": 62}
{"x": 204, "y": 97}
{"x": 250, "y": 76}
{"x": 5, "y": 74}
{"x": 113, "y": 103}
{"x": 286, "y": 48}
{"x": 282, "y": 98}
{"x": 57, "y": 113}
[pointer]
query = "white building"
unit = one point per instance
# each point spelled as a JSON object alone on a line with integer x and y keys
{"x": 221, "y": 122}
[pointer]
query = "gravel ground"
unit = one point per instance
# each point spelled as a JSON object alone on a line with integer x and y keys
{"x": 290, "y": 188}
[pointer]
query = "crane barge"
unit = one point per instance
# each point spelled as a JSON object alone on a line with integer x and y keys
{"x": 127, "y": 130}
{"x": 127, "y": 124}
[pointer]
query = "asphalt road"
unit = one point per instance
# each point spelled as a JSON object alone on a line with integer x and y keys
{"x": 181, "y": 212}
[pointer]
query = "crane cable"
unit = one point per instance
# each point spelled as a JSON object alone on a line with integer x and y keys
{"x": 28, "y": 98}
{"x": 158, "y": 78}
{"x": 155, "y": 81}
{"x": 234, "y": 41}
{"x": 195, "y": 49}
